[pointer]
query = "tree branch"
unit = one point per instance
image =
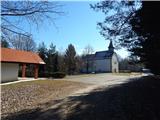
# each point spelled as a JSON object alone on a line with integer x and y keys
{"x": 14, "y": 31}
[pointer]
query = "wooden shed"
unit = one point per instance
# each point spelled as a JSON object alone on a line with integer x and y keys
{"x": 10, "y": 60}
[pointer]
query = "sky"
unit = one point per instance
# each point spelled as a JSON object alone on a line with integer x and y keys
{"x": 78, "y": 27}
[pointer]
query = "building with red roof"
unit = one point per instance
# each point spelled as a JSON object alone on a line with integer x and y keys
{"x": 10, "y": 60}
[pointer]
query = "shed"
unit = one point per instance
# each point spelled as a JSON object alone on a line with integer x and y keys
{"x": 10, "y": 60}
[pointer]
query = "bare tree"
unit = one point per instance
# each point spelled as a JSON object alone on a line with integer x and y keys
{"x": 88, "y": 50}
{"x": 88, "y": 58}
{"x": 23, "y": 43}
{"x": 13, "y": 13}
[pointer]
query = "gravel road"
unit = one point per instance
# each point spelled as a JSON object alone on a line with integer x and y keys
{"x": 15, "y": 98}
{"x": 101, "y": 79}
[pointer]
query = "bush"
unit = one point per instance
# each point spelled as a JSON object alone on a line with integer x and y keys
{"x": 58, "y": 75}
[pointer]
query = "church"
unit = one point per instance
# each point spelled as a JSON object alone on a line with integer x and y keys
{"x": 101, "y": 61}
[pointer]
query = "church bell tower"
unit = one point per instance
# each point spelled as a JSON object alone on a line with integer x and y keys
{"x": 110, "y": 47}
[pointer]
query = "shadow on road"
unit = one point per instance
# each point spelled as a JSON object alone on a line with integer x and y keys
{"x": 136, "y": 100}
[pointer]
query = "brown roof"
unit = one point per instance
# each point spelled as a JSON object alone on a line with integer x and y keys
{"x": 19, "y": 56}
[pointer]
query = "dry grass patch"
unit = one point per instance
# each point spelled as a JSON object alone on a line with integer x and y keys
{"x": 31, "y": 94}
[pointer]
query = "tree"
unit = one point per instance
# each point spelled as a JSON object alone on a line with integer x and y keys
{"x": 31, "y": 12}
{"x": 70, "y": 59}
{"x": 61, "y": 62}
{"x": 135, "y": 25}
{"x": 23, "y": 43}
{"x": 4, "y": 44}
{"x": 79, "y": 64}
{"x": 50, "y": 56}
{"x": 52, "y": 59}
{"x": 116, "y": 25}
{"x": 88, "y": 50}
{"x": 56, "y": 63}
{"x": 128, "y": 65}
{"x": 42, "y": 51}
{"x": 146, "y": 25}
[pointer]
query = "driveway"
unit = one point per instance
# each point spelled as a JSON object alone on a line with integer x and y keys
{"x": 62, "y": 108}
{"x": 102, "y": 79}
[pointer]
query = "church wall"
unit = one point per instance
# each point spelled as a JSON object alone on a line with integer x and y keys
{"x": 103, "y": 65}
{"x": 115, "y": 63}
{"x": 91, "y": 67}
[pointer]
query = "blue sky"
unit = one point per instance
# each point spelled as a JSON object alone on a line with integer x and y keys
{"x": 78, "y": 26}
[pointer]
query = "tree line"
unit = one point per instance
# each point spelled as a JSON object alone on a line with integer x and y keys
{"x": 68, "y": 62}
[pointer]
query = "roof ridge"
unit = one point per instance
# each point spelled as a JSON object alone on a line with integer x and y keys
{"x": 103, "y": 51}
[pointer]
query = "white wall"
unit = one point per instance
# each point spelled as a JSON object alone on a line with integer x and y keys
{"x": 9, "y": 72}
{"x": 115, "y": 63}
{"x": 103, "y": 65}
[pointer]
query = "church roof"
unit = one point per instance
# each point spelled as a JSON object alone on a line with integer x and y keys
{"x": 99, "y": 55}
{"x": 89, "y": 57}
{"x": 103, "y": 54}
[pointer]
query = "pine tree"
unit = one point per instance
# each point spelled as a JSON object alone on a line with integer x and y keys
{"x": 70, "y": 59}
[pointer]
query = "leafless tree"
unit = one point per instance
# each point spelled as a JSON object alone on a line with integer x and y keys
{"x": 88, "y": 61}
{"x": 23, "y": 43}
{"x": 13, "y": 13}
{"x": 88, "y": 50}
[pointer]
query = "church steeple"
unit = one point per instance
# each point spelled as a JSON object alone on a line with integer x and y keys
{"x": 110, "y": 47}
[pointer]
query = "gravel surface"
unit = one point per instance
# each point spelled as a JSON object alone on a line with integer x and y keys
{"x": 101, "y": 79}
{"x": 24, "y": 100}
{"x": 32, "y": 94}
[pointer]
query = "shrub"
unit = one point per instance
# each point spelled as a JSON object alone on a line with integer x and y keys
{"x": 58, "y": 75}
{"x": 43, "y": 74}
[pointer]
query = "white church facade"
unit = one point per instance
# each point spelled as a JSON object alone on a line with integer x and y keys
{"x": 102, "y": 61}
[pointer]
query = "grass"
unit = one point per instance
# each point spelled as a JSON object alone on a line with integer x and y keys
{"x": 37, "y": 82}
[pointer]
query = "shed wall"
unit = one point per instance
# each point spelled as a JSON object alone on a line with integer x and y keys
{"x": 9, "y": 72}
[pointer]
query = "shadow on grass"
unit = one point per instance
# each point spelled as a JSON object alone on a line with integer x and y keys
{"x": 136, "y": 100}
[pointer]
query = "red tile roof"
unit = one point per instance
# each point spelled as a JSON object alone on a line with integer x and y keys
{"x": 19, "y": 56}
